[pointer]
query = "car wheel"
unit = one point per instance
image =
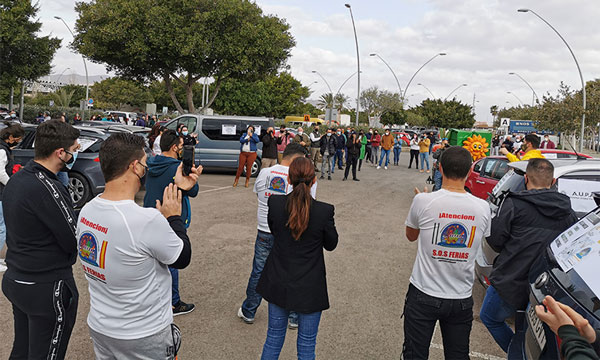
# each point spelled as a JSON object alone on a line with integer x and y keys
{"x": 79, "y": 189}
{"x": 255, "y": 168}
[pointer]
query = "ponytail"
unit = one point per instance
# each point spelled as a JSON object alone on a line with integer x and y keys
{"x": 302, "y": 174}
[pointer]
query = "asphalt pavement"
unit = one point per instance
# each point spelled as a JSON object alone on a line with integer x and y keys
{"x": 368, "y": 274}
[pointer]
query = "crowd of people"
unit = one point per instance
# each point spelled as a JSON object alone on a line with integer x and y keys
{"x": 131, "y": 254}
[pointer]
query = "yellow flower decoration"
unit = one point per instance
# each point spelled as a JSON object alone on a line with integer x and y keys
{"x": 477, "y": 146}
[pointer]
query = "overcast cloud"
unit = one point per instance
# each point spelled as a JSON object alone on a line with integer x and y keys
{"x": 484, "y": 39}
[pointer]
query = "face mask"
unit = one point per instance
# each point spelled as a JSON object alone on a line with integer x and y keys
{"x": 387, "y": 133}
{"x": 185, "y": 133}
{"x": 339, "y": 133}
{"x": 143, "y": 177}
{"x": 328, "y": 134}
{"x": 13, "y": 116}
{"x": 300, "y": 132}
{"x": 69, "y": 164}
{"x": 370, "y": 132}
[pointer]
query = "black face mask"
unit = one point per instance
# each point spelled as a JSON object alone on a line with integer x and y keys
{"x": 143, "y": 177}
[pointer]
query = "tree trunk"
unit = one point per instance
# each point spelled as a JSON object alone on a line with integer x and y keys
{"x": 214, "y": 94}
{"x": 171, "y": 92}
{"x": 189, "y": 93}
{"x": 22, "y": 102}
{"x": 12, "y": 98}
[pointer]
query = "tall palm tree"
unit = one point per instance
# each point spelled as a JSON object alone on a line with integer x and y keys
{"x": 326, "y": 101}
{"x": 340, "y": 100}
{"x": 63, "y": 97}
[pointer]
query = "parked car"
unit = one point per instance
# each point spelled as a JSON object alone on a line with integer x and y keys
{"x": 131, "y": 117}
{"x": 218, "y": 145}
{"x": 533, "y": 339}
{"x": 485, "y": 173}
{"x": 566, "y": 171}
{"x": 85, "y": 178}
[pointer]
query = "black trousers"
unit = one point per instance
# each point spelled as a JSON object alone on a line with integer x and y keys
{"x": 422, "y": 312}
{"x": 367, "y": 152}
{"x": 44, "y": 316}
{"x": 414, "y": 154}
{"x": 352, "y": 160}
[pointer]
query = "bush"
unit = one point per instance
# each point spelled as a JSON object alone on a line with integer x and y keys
{"x": 32, "y": 111}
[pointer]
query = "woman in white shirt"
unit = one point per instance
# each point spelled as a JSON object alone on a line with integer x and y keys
{"x": 414, "y": 151}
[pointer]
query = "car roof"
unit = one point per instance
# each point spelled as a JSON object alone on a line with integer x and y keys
{"x": 225, "y": 117}
{"x": 563, "y": 166}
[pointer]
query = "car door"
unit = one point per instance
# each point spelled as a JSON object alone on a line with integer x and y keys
{"x": 485, "y": 182}
{"x": 219, "y": 142}
{"x": 25, "y": 151}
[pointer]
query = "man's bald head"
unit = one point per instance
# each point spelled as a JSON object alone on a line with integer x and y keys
{"x": 540, "y": 173}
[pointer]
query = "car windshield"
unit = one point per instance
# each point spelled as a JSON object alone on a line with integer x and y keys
{"x": 511, "y": 181}
{"x": 576, "y": 252}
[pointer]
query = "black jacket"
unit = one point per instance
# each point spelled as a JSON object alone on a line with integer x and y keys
{"x": 526, "y": 223}
{"x": 40, "y": 226}
{"x": 269, "y": 150}
{"x": 574, "y": 346}
{"x": 294, "y": 274}
{"x": 340, "y": 141}
{"x": 9, "y": 165}
{"x": 328, "y": 142}
{"x": 353, "y": 147}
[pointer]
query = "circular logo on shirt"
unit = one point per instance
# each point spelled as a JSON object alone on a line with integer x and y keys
{"x": 277, "y": 184}
{"x": 88, "y": 248}
{"x": 454, "y": 235}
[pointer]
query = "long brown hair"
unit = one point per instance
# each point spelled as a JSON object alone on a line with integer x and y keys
{"x": 302, "y": 173}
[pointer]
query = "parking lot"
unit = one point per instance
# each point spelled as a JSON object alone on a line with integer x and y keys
{"x": 368, "y": 274}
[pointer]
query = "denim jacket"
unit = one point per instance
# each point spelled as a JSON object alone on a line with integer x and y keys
{"x": 253, "y": 141}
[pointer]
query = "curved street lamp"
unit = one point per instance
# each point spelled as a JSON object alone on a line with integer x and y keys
{"x": 389, "y": 67}
{"x": 357, "y": 62}
{"x": 415, "y": 74}
{"x": 61, "y": 74}
{"x": 330, "y": 91}
{"x": 87, "y": 82}
{"x": 578, "y": 69}
{"x": 525, "y": 81}
{"x": 453, "y": 91}
{"x": 516, "y": 97}
{"x": 426, "y": 88}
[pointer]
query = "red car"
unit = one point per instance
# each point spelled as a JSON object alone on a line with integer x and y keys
{"x": 485, "y": 173}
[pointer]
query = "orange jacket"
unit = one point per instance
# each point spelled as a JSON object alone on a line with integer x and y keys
{"x": 387, "y": 142}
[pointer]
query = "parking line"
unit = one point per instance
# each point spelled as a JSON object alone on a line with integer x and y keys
{"x": 217, "y": 189}
{"x": 472, "y": 354}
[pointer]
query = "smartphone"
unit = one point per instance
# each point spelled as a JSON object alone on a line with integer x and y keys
{"x": 188, "y": 159}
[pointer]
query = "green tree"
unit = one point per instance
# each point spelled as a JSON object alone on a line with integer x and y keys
{"x": 276, "y": 96}
{"x": 62, "y": 97}
{"x": 116, "y": 92}
{"x": 326, "y": 101}
{"x": 24, "y": 56}
{"x": 446, "y": 114}
{"x": 340, "y": 100}
{"x": 182, "y": 41}
{"x": 393, "y": 117}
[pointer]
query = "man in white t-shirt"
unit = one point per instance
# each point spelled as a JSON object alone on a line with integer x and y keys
{"x": 270, "y": 181}
{"x": 124, "y": 251}
{"x": 449, "y": 225}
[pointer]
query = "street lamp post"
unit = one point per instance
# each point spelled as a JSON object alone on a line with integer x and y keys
{"x": 516, "y": 97}
{"x": 525, "y": 81}
{"x": 358, "y": 64}
{"x": 578, "y": 69}
{"x": 426, "y": 88}
{"x": 61, "y": 74}
{"x": 87, "y": 82}
{"x": 393, "y": 73}
{"x": 416, "y": 72}
{"x": 330, "y": 91}
{"x": 311, "y": 84}
{"x": 453, "y": 91}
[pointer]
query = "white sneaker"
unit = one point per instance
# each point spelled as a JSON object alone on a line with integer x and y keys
{"x": 386, "y": 167}
{"x": 3, "y": 268}
{"x": 245, "y": 319}
{"x": 378, "y": 167}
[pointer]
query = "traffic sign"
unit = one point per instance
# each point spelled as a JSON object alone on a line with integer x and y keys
{"x": 90, "y": 102}
{"x": 306, "y": 117}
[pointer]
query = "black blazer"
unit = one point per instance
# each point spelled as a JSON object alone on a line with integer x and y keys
{"x": 294, "y": 274}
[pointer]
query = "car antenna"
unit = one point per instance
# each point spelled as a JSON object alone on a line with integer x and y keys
{"x": 579, "y": 157}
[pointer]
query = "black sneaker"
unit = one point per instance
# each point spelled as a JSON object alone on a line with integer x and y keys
{"x": 355, "y": 179}
{"x": 183, "y": 308}
{"x": 329, "y": 178}
{"x": 322, "y": 177}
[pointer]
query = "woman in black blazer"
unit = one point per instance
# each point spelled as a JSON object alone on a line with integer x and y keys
{"x": 294, "y": 275}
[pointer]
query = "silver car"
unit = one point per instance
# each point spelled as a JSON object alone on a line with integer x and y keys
{"x": 569, "y": 173}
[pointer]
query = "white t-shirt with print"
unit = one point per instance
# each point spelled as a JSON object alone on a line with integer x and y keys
{"x": 451, "y": 228}
{"x": 273, "y": 181}
{"x": 124, "y": 250}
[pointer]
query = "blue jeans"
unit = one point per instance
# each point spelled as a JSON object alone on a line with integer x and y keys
{"x": 494, "y": 312}
{"x": 2, "y": 228}
{"x": 339, "y": 157}
{"x": 424, "y": 159}
{"x": 437, "y": 179}
{"x": 174, "y": 286}
{"x": 63, "y": 177}
{"x": 262, "y": 249}
{"x": 308, "y": 326}
{"x": 397, "y": 152}
{"x": 385, "y": 153}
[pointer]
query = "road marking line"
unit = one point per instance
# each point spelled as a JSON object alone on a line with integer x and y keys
{"x": 210, "y": 186}
{"x": 472, "y": 354}
{"x": 211, "y": 190}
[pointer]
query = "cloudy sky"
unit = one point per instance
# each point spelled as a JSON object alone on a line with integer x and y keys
{"x": 484, "y": 40}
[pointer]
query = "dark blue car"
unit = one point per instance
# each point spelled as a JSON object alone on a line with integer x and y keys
{"x": 534, "y": 339}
